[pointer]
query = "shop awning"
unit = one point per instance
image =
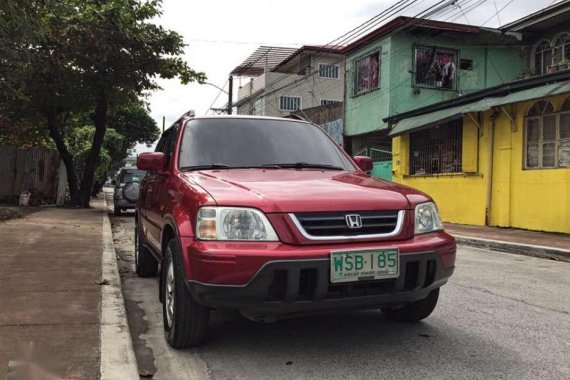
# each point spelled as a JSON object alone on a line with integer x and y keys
{"x": 441, "y": 116}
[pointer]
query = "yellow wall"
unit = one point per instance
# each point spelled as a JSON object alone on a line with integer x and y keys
{"x": 529, "y": 199}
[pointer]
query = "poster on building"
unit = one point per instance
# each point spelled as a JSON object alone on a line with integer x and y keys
{"x": 367, "y": 70}
{"x": 434, "y": 67}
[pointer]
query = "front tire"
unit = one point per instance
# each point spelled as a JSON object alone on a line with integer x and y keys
{"x": 145, "y": 263}
{"x": 414, "y": 312}
{"x": 185, "y": 320}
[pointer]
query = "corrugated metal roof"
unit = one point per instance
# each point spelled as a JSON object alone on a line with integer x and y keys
{"x": 34, "y": 170}
{"x": 541, "y": 16}
{"x": 326, "y": 49}
{"x": 440, "y": 116}
{"x": 262, "y": 59}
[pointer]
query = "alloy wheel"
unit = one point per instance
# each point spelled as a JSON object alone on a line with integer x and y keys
{"x": 169, "y": 287}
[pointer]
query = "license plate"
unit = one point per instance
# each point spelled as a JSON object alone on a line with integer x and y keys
{"x": 364, "y": 265}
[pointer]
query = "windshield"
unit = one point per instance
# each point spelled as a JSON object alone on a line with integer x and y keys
{"x": 227, "y": 142}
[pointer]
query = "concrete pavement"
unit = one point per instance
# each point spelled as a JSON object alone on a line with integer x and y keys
{"x": 51, "y": 296}
{"x": 554, "y": 246}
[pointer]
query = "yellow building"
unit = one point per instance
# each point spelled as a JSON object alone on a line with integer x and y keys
{"x": 500, "y": 157}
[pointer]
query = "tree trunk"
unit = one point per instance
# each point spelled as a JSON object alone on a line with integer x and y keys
{"x": 98, "y": 185}
{"x": 93, "y": 157}
{"x": 67, "y": 158}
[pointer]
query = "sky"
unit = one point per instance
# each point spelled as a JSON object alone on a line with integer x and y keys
{"x": 220, "y": 34}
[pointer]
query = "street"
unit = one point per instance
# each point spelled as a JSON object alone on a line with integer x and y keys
{"x": 501, "y": 316}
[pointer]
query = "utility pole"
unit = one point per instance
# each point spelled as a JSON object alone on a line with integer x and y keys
{"x": 163, "y": 121}
{"x": 230, "y": 91}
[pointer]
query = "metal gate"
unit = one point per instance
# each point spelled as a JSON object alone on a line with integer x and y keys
{"x": 382, "y": 162}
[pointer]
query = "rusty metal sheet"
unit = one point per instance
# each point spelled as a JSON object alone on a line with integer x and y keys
{"x": 34, "y": 170}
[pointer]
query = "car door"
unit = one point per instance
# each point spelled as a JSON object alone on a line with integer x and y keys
{"x": 152, "y": 220}
{"x": 162, "y": 193}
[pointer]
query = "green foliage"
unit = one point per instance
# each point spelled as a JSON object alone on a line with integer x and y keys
{"x": 61, "y": 60}
{"x": 79, "y": 144}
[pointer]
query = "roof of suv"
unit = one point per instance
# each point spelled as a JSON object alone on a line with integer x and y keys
{"x": 245, "y": 117}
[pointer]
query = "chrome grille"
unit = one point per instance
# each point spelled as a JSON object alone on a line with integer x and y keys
{"x": 334, "y": 225}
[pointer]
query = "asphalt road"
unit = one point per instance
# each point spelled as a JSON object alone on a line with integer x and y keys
{"x": 501, "y": 316}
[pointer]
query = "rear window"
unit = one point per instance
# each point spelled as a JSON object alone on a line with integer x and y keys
{"x": 256, "y": 142}
{"x": 131, "y": 175}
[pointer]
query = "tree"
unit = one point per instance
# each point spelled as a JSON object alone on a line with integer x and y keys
{"x": 135, "y": 125}
{"x": 84, "y": 56}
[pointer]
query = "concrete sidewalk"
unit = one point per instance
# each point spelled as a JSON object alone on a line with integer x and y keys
{"x": 531, "y": 243}
{"x": 50, "y": 291}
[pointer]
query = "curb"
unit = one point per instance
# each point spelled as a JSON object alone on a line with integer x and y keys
{"x": 515, "y": 248}
{"x": 118, "y": 359}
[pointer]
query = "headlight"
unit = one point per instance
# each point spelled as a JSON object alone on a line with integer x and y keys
{"x": 233, "y": 223}
{"x": 427, "y": 218}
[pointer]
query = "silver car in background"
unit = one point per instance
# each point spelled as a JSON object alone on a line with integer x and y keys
{"x": 126, "y": 188}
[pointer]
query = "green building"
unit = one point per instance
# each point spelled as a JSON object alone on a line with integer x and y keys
{"x": 410, "y": 63}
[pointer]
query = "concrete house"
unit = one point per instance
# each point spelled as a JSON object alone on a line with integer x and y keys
{"x": 410, "y": 63}
{"x": 283, "y": 80}
{"x": 499, "y": 156}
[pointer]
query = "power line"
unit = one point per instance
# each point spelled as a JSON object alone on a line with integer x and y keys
{"x": 429, "y": 12}
{"x": 497, "y": 13}
{"x": 361, "y": 29}
{"x": 418, "y": 19}
{"x": 220, "y": 91}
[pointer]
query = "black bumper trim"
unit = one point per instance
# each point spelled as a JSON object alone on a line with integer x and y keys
{"x": 297, "y": 286}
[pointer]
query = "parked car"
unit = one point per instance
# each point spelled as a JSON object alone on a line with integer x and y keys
{"x": 270, "y": 217}
{"x": 126, "y": 185}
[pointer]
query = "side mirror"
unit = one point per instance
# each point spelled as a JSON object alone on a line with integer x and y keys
{"x": 154, "y": 162}
{"x": 364, "y": 163}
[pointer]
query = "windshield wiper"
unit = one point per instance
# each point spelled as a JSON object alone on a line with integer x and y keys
{"x": 301, "y": 165}
{"x": 209, "y": 166}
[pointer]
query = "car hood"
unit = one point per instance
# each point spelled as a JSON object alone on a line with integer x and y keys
{"x": 301, "y": 190}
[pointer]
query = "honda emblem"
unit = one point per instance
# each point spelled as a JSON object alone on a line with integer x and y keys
{"x": 353, "y": 221}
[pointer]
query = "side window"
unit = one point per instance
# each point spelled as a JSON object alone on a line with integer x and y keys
{"x": 162, "y": 142}
{"x": 171, "y": 142}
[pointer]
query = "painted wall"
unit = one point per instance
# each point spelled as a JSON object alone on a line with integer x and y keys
{"x": 537, "y": 199}
{"x": 460, "y": 197}
{"x": 311, "y": 88}
{"x": 364, "y": 113}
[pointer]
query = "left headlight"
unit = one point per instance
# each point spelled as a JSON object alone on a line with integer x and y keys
{"x": 233, "y": 223}
{"x": 427, "y": 218}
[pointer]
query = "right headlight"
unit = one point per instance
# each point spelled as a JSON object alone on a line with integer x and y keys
{"x": 427, "y": 218}
{"x": 233, "y": 223}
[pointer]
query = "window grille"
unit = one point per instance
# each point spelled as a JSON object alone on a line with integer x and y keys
{"x": 547, "y": 136}
{"x": 367, "y": 73}
{"x": 437, "y": 150}
{"x": 326, "y": 102}
{"x": 435, "y": 67}
{"x": 289, "y": 103}
{"x": 542, "y": 57}
{"x": 328, "y": 71}
{"x": 561, "y": 49}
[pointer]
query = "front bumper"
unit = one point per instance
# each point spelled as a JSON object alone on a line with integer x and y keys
{"x": 284, "y": 288}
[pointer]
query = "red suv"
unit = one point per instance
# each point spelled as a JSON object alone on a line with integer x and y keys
{"x": 270, "y": 217}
